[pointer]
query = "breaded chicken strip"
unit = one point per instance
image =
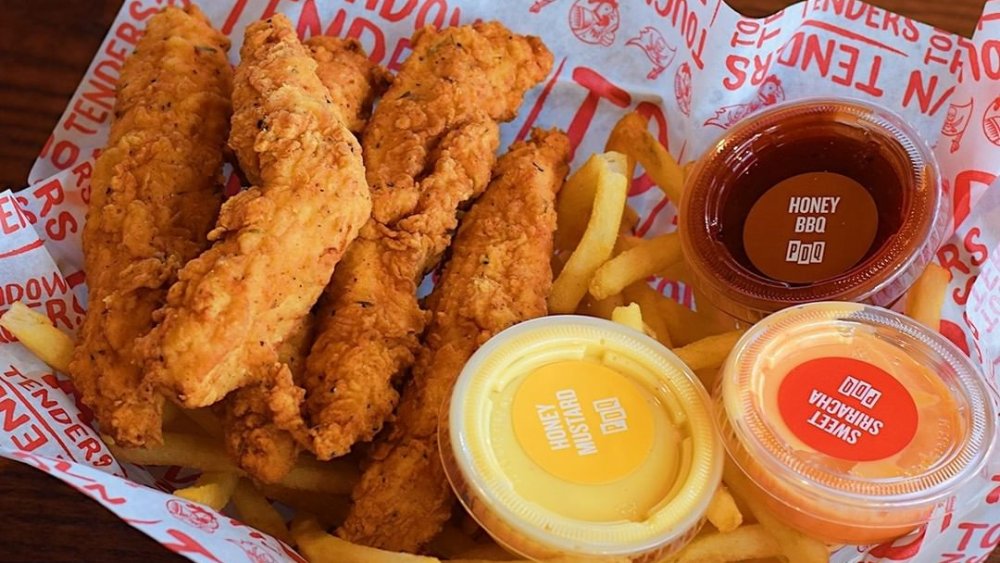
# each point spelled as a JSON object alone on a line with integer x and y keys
{"x": 499, "y": 275}
{"x": 428, "y": 149}
{"x": 155, "y": 194}
{"x": 277, "y": 243}
{"x": 264, "y": 451}
{"x": 353, "y": 80}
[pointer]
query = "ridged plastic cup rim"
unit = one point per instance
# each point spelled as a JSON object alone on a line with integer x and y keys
{"x": 750, "y": 297}
{"x": 592, "y": 539}
{"x": 753, "y": 439}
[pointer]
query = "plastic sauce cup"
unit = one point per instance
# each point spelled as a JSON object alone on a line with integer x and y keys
{"x": 815, "y": 200}
{"x": 855, "y": 423}
{"x": 569, "y": 436}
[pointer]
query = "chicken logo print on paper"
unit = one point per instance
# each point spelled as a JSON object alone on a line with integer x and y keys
{"x": 991, "y": 122}
{"x": 595, "y": 21}
{"x": 956, "y": 122}
{"x": 256, "y": 553}
{"x": 770, "y": 93}
{"x": 652, "y": 43}
{"x": 193, "y": 514}
{"x": 682, "y": 88}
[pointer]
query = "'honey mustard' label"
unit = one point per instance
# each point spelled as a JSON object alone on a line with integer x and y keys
{"x": 582, "y": 422}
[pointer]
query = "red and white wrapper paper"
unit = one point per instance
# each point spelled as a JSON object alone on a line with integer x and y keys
{"x": 694, "y": 67}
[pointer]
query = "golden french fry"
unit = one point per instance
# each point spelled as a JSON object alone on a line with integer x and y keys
{"x": 636, "y": 264}
{"x": 185, "y": 450}
{"x": 746, "y": 542}
{"x": 170, "y": 412}
{"x": 629, "y": 315}
{"x": 603, "y": 308}
{"x": 598, "y": 240}
{"x": 794, "y": 545}
{"x": 213, "y": 489}
{"x": 707, "y": 377}
{"x": 722, "y": 511}
{"x": 254, "y": 510}
{"x": 320, "y": 547}
{"x": 330, "y": 510}
{"x": 685, "y": 325}
{"x": 926, "y": 297}
{"x": 631, "y": 137}
{"x": 37, "y": 333}
{"x": 199, "y": 452}
{"x": 206, "y": 420}
{"x": 709, "y": 352}
{"x": 647, "y": 298}
{"x": 576, "y": 200}
{"x": 621, "y": 138}
{"x": 626, "y": 242}
{"x": 336, "y": 477}
{"x": 630, "y": 220}
{"x": 678, "y": 271}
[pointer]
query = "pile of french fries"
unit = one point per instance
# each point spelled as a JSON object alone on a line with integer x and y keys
{"x": 602, "y": 270}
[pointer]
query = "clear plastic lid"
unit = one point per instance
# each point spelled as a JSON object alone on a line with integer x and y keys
{"x": 813, "y": 200}
{"x": 855, "y": 422}
{"x": 570, "y": 436}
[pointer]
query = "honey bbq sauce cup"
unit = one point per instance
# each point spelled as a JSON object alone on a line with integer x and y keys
{"x": 821, "y": 199}
{"x": 573, "y": 437}
{"x": 853, "y": 423}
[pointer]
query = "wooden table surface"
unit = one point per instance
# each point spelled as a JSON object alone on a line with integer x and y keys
{"x": 45, "y": 46}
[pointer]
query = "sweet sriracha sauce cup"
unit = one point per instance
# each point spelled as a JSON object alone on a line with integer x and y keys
{"x": 579, "y": 438}
{"x": 816, "y": 200}
{"x": 853, "y": 422}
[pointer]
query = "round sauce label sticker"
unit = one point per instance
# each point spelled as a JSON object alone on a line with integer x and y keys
{"x": 582, "y": 422}
{"x": 810, "y": 227}
{"x": 848, "y": 409}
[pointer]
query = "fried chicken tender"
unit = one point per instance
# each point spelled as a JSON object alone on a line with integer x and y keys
{"x": 429, "y": 148}
{"x": 155, "y": 193}
{"x": 277, "y": 243}
{"x": 499, "y": 275}
{"x": 354, "y": 81}
{"x": 264, "y": 451}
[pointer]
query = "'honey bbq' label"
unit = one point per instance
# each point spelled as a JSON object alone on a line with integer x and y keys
{"x": 810, "y": 227}
{"x": 847, "y": 408}
{"x": 583, "y": 422}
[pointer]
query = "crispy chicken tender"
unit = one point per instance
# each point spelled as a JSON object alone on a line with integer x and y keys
{"x": 155, "y": 193}
{"x": 264, "y": 451}
{"x": 277, "y": 243}
{"x": 354, "y": 81}
{"x": 499, "y": 275}
{"x": 428, "y": 149}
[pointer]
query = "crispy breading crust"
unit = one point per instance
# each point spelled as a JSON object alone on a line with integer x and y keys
{"x": 499, "y": 274}
{"x": 428, "y": 149}
{"x": 264, "y": 451}
{"x": 354, "y": 81}
{"x": 155, "y": 194}
{"x": 277, "y": 243}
